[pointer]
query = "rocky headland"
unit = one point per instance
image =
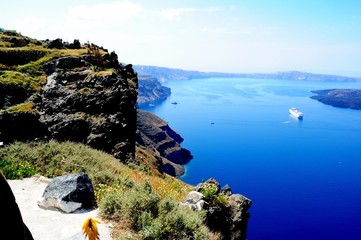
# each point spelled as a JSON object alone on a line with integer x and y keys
{"x": 151, "y": 91}
{"x": 67, "y": 92}
{"x": 342, "y": 98}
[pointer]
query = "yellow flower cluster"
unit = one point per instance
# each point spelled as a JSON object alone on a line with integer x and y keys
{"x": 90, "y": 229}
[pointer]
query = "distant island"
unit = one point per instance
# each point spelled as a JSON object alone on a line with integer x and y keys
{"x": 164, "y": 74}
{"x": 342, "y": 98}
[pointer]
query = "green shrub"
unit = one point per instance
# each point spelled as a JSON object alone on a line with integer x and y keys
{"x": 123, "y": 194}
{"x": 141, "y": 167}
{"x": 176, "y": 222}
{"x": 151, "y": 217}
{"x": 220, "y": 200}
{"x": 111, "y": 205}
{"x": 209, "y": 190}
{"x": 103, "y": 177}
{"x": 52, "y": 159}
{"x": 16, "y": 170}
{"x": 133, "y": 204}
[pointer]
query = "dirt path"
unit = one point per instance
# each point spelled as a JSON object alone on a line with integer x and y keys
{"x": 48, "y": 224}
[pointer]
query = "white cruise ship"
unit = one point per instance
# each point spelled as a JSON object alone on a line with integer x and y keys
{"x": 296, "y": 113}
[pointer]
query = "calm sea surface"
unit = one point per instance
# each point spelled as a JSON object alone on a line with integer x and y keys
{"x": 303, "y": 177}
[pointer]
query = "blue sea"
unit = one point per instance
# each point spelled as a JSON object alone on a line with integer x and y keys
{"x": 303, "y": 176}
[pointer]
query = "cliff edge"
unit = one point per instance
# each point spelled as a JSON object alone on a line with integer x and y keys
{"x": 163, "y": 142}
{"x": 68, "y": 92}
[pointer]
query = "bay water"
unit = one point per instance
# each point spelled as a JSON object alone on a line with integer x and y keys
{"x": 303, "y": 176}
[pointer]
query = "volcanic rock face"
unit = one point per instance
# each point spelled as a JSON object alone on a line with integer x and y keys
{"x": 83, "y": 106}
{"x": 83, "y": 95}
{"x": 155, "y": 134}
{"x": 88, "y": 98}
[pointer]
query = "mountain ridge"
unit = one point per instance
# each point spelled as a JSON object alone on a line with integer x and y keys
{"x": 165, "y": 74}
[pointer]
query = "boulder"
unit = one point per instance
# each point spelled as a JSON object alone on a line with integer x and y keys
{"x": 57, "y": 43}
{"x": 226, "y": 213}
{"x": 194, "y": 201}
{"x": 68, "y": 193}
{"x": 194, "y": 197}
{"x": 226, "y": 189}
{"x": 238, "y": 216}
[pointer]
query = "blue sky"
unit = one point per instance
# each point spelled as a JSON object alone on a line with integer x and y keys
{"x": 320, "y": 36}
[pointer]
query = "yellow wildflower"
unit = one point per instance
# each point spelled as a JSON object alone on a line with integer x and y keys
{"x": 90, "y": 229}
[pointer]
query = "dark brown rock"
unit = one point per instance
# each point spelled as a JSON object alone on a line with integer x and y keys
{"x": 155, "y": 134}
{"x": 69, "y": 193}
{"x": 76, "y": 104}
{"x": 98, "y": 110}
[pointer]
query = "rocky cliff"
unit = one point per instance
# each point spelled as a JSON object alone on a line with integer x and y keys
{"x": 150, "y": 91}
{"x": 81, "y": 93}
{"x": 156, "y": 135}
{"x": 56, "y": 90}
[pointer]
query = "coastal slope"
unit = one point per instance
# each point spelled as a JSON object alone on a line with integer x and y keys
{"x": 151, "y": 91}
{"x": 342, "y": 98}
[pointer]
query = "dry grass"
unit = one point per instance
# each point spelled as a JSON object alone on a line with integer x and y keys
{"x": 23, "y": 107}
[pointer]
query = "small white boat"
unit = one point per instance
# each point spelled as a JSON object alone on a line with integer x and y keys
{"x": 296, "y": 113}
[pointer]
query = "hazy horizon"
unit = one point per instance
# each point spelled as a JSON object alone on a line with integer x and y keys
{"x": 245, "y": 36}
{"x": 275, "y": 72}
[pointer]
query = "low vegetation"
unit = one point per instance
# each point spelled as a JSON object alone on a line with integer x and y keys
{"x": 22, "y": 59}
{"x": 141, "y": 202}
{"x": 143, "y": 205}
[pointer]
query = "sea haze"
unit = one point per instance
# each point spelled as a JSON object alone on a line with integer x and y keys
{"x": 303, "y": 177}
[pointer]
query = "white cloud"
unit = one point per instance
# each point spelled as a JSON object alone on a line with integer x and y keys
{"x": 102, "y": 14}
{"x": 211, "y": 9}
{"x": 174, "y": 13}
{"x": 30, "y": 24}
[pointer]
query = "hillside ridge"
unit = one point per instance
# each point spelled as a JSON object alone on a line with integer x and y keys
{"x": 166, "y": 74}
